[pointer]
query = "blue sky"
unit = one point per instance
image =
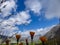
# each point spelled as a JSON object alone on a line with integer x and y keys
{"x": 37, "y": 21}
{"x": 27, "y": 15}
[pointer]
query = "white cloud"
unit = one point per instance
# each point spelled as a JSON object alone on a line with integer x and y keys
{"x": 53, "y": 9}
{"x": 8, "y": 25}
{"x": 21, "y": 18}
{"x": 40, "y": 31}
{"x": 33, "y": 5}
{"x": 6, "y": 8}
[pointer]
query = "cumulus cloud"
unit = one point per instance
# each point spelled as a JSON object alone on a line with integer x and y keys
{"x": 6, "y": 27}
{"x": 52, "y": 9}
{"x": 9, "y": 24}
{"x": 23, "y": 18}
{"x": 6, "y": 8}
{"x": 33, "y": 5}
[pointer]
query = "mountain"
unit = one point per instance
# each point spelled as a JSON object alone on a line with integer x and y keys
{"x": 54, "y": 32}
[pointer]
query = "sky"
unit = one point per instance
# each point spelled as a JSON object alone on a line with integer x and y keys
{"x": 23, "y": 16}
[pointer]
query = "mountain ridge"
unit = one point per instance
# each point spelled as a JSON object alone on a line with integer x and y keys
{"x": 54, "y": 32}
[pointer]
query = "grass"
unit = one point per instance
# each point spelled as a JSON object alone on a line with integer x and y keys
{"x": 23, "y": 43}
{"x": 50, "y": 42}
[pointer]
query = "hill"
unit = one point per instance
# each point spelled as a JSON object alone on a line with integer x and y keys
{"x": 54, "y": 32}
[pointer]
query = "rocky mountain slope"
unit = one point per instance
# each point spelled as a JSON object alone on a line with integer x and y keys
{"x": 54, "y": 32}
